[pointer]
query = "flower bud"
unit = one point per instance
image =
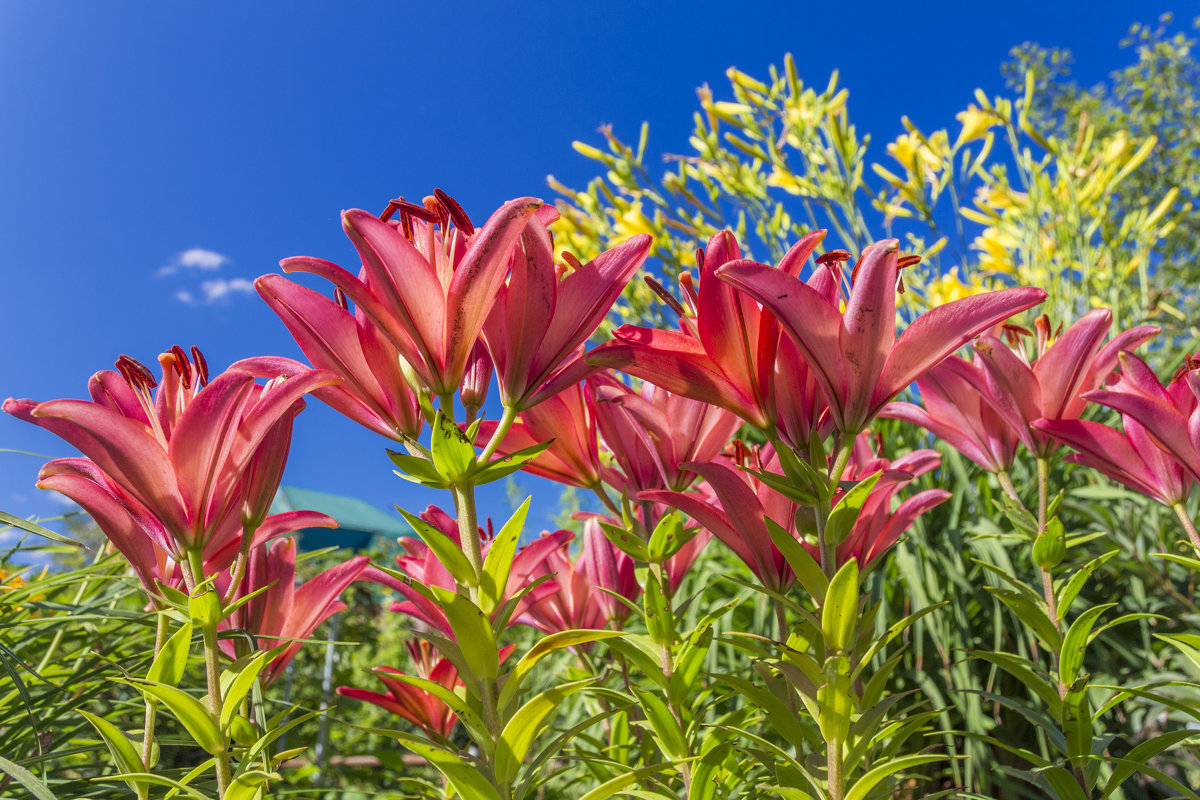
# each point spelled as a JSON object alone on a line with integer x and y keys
{"x": 1050, "y": 546}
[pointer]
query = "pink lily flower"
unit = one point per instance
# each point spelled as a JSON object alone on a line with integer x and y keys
{"x": 420, "y": 564}
{"x": 1155, "y": 418}
{"x": 956, "y": 411}
{"x": 428, "y": 281}
{"x": 653, "y": 432}
{"x": 878, "y": 526}
{"x": 373, "y": 391}
{"x": 578, "y": 603}
{"x": 568, "y": 418}
{"x": 857, "y": 359}
{"x": 1071, "y": 365}
{"x": 412, "y": 703}
{"x": 726, "y": 350}
{"x": 185, "y": 453}
{"x": 541, "y": 318}
{"x": 136, "y": 533}
{"x": 285, "y": 611}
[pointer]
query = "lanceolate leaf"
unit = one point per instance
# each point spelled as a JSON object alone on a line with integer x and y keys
{"x": 549, "y": 644}
{"x": 448, "y": 552}
{"x": 499, "y": 559}
{"x": 845, "y": 513}
{"x": 169, "y": 664}
{"x": 187, "y": 710}
{"x": 123, "y": 752}
{"x": 524, "y": 727}
{"x": 472, "y": 631}
{"x": 33, "y": 527}
{"x": 870, "y": 779}
{"x": 27, "y": 779}
{"x": 464, "y": 776}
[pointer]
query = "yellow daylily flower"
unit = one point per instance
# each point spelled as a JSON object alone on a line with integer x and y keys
{"x": 975, "y": 123}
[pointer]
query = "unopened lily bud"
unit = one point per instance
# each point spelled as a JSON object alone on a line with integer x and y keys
{"x": 477, "y": 378}
{"x": 1050, "y": 546}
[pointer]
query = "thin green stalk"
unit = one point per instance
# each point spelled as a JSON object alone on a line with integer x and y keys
{"x": 827, "y": 548}
{"x": 468, "y": 528}
{"x": 212, "y": 674}
{"x": 506, "y": 420}
{"x": 1188, "y": 525}
{"x": 162, "y": 628}
{"x": 1010, "y": 491}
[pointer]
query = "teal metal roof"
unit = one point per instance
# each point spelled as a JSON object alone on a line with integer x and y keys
{"x": 358, "y": 520}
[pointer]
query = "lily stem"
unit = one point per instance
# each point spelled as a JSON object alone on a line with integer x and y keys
{"x": 212, "y": 673}
{"x": 468, "y": 528}
{"x": 506, "y": 421}
{"x": 163, "y": 627}
{"x": 829, "y": 549}
{"x": 1188, "y": 525}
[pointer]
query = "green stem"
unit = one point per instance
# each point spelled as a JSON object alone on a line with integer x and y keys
{"x": 239, "y": 566}
{"x": 612, "y": 507}
{"x": 833, "y": 762}
{"x": 468, "y": 527}
{"x": 506, "y": 420}
{"x": 212, "y": 674}
{"x": 1188, "y": 525}
{"x": 163, "y": 627}
{"x": 829, "y": 549}
{"x": 1010, "y": 491}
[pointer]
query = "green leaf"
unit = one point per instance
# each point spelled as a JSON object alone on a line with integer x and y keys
{"x": 611, "y": 787}
{"x": 170, "y": 662}
{"x": 472, "y": 631}
{"x": 159, "y": 780}
{"x": 1075, "y": 643}
{"x": 1026, "y": 672}
{"x": 506, "y": 465}
{"x": 668, "y": 538}
{"x": 34, "y": 528}
{"x": 625, "y": 541}
{"x": 525, "y": 725}
{"x": 187, "y": 710}
{"x": 687, "y": 666}
{"x": 469, "y": 717}
{"x": 27, "y": 779}
{"x": 417, "y": 470}
{"x": 839, "y": 614}
{"x": 204, "y": 606}
{"x": 1030, "y": 612}
{"x": 124, "y": 754}
{"x": 894, "y": 630}
{"x": 1141, "y": 754}
{"x": 244, "y": 680}
{"x": 247, "y": 785}
{"x": 845, "y": 513}
{"x": 670, "y": 735}
{"x": 445, "y": 549}
{"x": 1064, "y": 784}
{"x": 808, "y": 571}
{"x": 1073, "y": 586}
{"x": 453, "y": 455}
{"x": 549, "y": 644}
{"x": 1185, "y": 643}
{"x": 499, "y": 559}
{"x": 870, "y": 779}
{"x": 464, "y": 776}
{"x": 660, "y": 622}
{"x": 1077, "y": 723}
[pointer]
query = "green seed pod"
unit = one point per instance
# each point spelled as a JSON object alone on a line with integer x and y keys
{"x": 242, "y": 731}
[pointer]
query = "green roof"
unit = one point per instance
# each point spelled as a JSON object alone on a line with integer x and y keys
{"x": 358, "y": 520}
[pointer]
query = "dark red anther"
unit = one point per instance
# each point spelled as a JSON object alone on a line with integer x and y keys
{"x": 182, "y": 366}
{"x": 664, "y": 295}
{"x": 904, "y": 262}
{"x": 833, "y": 257}
{"x": 460, "y": 218}
{"x": 1013, "y": 332}
{"x": 339, "y": 297}
{"x": 406, "y": 224}
{"x": 1190, "y": 362}
{"x": 135, "y": 373}
{"x": 201, "y": 365}
{"x": 570, "y": 258}
{"x": 390, "y": 210}
{"x": 418, "y": 211}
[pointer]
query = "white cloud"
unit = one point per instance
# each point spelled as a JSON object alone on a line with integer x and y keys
{"x": 194, "y": 258}
{"x": 216, "y": 289}
{"x": 184, "y": 296}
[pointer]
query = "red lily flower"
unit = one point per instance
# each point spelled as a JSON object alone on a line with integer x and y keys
{"x": 957, "y": 411}
{"x": 1164, "y": 419}
{"x": 878, "y": 527}
{"x": 725, "y": 354}
{"x": 183, "y": 454}
{"x": 540, "y": 320}
{"x": 653, "y": 432}
{"x": 428, "y": 285}
{"x": 373, "y": 391}
{"x": 855, "y": 355}
{"x": 1072, "y": 364}
{"x": 569, "y": 419}
{"x": 285, "y": 611}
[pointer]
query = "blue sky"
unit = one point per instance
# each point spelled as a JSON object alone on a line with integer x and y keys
{"x": 155, "y": 158}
